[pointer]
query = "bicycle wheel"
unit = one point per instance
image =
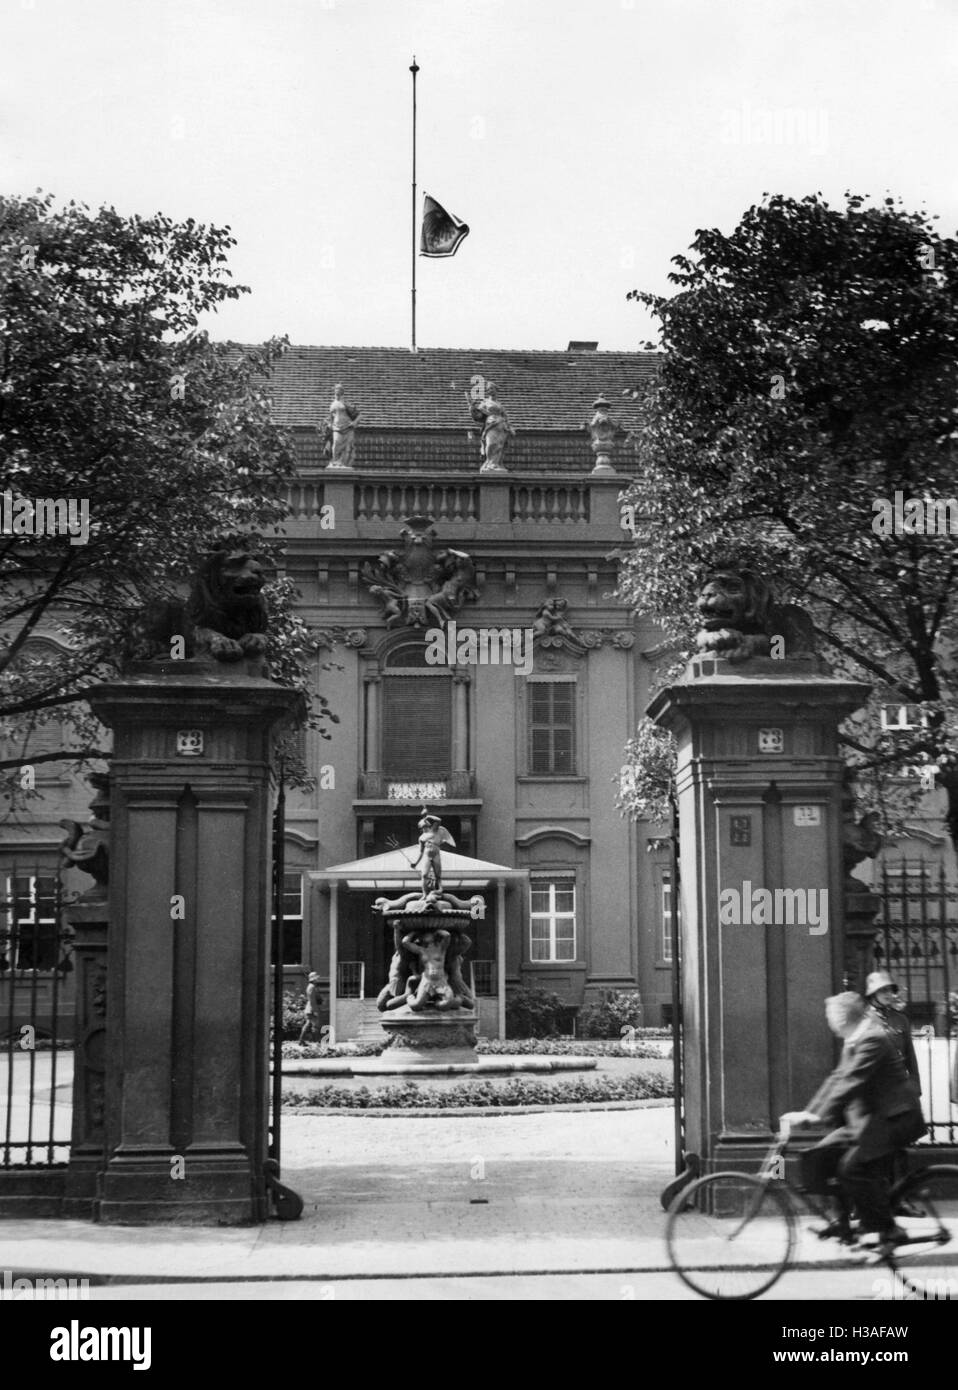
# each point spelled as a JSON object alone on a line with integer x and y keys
{"x": 925, "y": 1205}
{"x": 730, "y": 1235}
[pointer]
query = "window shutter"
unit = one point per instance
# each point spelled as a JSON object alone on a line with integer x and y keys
{"x": 417, "y": 726}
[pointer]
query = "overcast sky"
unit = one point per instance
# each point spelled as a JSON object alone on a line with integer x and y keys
{"x": 583, "y": 141}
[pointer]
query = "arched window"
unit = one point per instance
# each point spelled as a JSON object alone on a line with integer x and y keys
{"x": 416, "y": 715}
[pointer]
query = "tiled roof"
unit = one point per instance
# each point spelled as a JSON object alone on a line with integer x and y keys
{"x": 398, "y": 389}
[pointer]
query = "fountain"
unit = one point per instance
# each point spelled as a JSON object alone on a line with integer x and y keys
{"x": 430, "y": 1012}
{"x": 427, "y": 1010}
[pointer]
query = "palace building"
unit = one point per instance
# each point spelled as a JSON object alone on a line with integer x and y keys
{"x": 452, "y": 538}
{"x": 453, "y": 547}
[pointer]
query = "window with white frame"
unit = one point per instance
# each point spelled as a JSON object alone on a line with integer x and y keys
{"x": 29, "y": 922}
{"x": 665, "y": 920}
{"x": 287, "y": 943}
{"x": 552, "y": 917}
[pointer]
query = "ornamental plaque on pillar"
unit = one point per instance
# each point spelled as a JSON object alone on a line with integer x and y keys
{"x": 759, "y": 790}
{"x": 187, "y": 1015}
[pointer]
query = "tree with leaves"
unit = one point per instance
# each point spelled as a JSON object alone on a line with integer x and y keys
{"x": 113, "y": 399}
{"x": 807, "y": 386}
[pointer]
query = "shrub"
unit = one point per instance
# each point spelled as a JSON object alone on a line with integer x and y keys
{"x": 533, "y": 1013}
{"x": 613, "y": 1015}
{"x": 294, "y": 1013}
{"x": 367, "y": 1047}
{"x": 565, "y": 1047}
{"x": 407, "y": 1095}
{"x": 493, "y": 1047}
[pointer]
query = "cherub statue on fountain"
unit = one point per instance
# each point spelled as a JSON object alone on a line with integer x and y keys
{"x": 432, "y": 835}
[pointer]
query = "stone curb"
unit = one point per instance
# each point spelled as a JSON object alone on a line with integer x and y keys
{"x": 648, "y": 1259}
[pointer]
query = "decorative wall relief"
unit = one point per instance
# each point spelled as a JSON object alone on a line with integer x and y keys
{"x": 420, "y": 586}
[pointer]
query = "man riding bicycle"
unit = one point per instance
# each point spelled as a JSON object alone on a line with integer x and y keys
{"x": 874, "y": 1106}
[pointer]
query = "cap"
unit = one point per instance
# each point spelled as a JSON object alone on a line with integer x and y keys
{"x": 879, "y": 979}
{"x": 313, "y": 978}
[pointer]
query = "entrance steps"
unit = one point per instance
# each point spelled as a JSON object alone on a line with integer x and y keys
{"x": 370, "y": 1025}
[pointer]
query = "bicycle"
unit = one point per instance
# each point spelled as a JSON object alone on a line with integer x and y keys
{"x": 732, "y": 1235}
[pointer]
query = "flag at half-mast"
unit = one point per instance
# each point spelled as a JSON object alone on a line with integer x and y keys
{"x": 441, "y": 232}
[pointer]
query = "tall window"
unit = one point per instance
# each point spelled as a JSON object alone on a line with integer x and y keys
{"x": 665, "y": 938}
{"x": 551, "y": 728}
{"x": 417, "y": 716}
{"x": 552, "y": 917}
{"x": 29, "y": 922}
{"x": 291, "y": 934}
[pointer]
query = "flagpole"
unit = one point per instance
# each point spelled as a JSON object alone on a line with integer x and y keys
{"x": 414, "y": 69}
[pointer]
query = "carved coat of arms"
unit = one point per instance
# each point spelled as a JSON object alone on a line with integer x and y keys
{"x": 420, "y": 586}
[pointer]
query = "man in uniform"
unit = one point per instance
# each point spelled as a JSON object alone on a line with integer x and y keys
{"x": 881, "y": 996}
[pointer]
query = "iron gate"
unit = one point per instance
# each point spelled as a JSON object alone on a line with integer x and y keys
{"x": 36, "y": 1018}
{"x": 916, "y": 941}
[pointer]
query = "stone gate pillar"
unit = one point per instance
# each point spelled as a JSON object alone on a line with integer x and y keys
{"x": 187, "y": 998}
{"x": 759, "y": 788}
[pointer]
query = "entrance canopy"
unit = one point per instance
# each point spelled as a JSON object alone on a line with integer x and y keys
{"x": 393, "y": 872}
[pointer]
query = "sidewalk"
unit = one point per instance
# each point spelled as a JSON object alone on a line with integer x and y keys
{"x": 408, "y": 1196}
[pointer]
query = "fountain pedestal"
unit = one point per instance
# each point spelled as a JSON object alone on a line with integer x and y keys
{"x": 431, "y": 1036}
{"x": 428, "y": 1010}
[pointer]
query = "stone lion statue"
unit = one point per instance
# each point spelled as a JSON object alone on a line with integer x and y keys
{"x": 225, "y": 616}
{"x": 740, "y": 619}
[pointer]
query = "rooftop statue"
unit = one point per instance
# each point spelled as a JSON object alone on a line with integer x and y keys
{"x": 340, "y": 431}
{"x": 496, "y": 430}
{"x": 604, "y": 431}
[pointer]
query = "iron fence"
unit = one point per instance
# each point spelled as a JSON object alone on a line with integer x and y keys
{"x": 916, "y": 941}
{"x": 36, "y": 1018}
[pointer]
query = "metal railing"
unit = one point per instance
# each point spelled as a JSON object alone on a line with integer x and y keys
{"x": 351, "y": 979}
{"x": 36, "y": 1018}
{"x": 916, "y": 941}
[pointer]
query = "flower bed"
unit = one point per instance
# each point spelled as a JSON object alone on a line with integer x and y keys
{"x": 409, "y": 1095}
{"x": 510, "y": 1047}
{"x": 347, "y": 1049}
{"x": 564, "y": 1047}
